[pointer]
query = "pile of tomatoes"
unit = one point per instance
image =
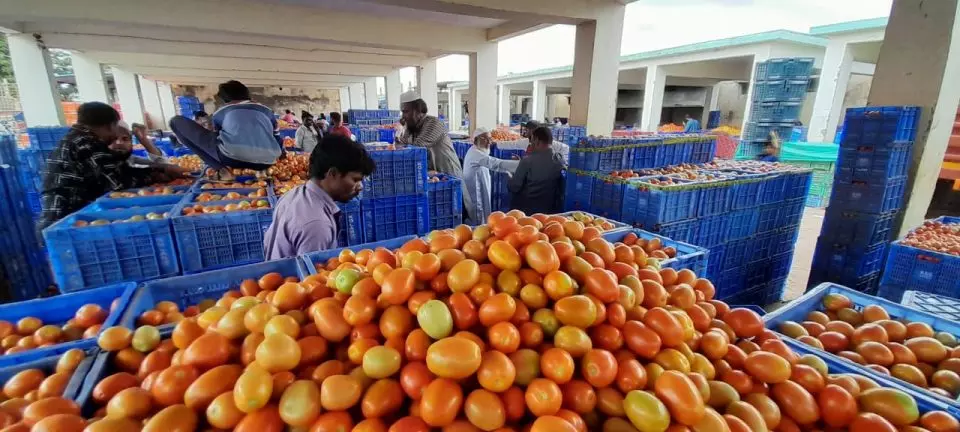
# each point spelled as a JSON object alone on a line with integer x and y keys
{"x": 524, "y": 324}
{"x": 911, "y": 351}
{"x": 935, "y": 236}
{"x": 31, "y": 332}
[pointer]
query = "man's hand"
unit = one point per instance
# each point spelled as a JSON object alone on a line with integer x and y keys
{"x": 175, "y": 171}
{"x": 139, "y": 129}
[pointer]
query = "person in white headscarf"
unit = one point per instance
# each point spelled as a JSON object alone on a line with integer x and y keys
{"x": 424, "y": 130}
{"x": 477, "y": 187}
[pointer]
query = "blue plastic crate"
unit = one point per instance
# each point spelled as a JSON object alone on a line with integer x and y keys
{"x": 685, "y": 231}
{"x": 649, "y": 205}
{"x": 910, "y": 268}
{"x": 880, "y": 126}
{"x": 645, "y": 156}
{"x": 349, "y": 223}
{"x": 399, "y": 172}
{"x": 866, "y": 163}
{"x": 703, "y": 151}
{"x": 117, "y": 252}
{"x": 944, "y": 307}
{"x": 797, "y": 184}
{"x": 387, "y": 135}
{"x": 48, "y": 365}
{"x": 313, "y": 259}
{"x": 798, "y": 310}
{"x": 779, "y": 265}
{"x": 750, "y": 149}
{"x": 461, "y": 148}
{"x": 46, "y": 137}
{"x": 868, "y": 197}
{"x": 798, "y": 67}
{"x": 609, "y": 198}
{"x": 711, "y": 231}
{"x": 190, "y": 290}
{"x": 672, "y": 153}
{"x": 611, "y": 159}
{"x": 688, "y": 256}
{"x": 729, "y": 282}
{"x": 762, "y": 71}
{"x": 387, "y": 218}
{"x": 58, "y": 310}
{"x": 848, "y": 227}
{"x": 786, "y": 112}
{"x": 768, "y": 90}
{"x": 715, "y": 263}
{"x": 767, "y": 218}
{"x": 794, "y": 90}
{"x": 107, "y": 203}
{"x": 849, "y": 261}
{"x": 714, "y": 198}
{"x": 742, "y": 223}
{"x": 445, "y": 197}
{"x": 789, "y": 213}
{"x": 762, "y": 246}
{"x": 444, "y": 222}
{"x": 584, "y": 159}
{"x": 578, "y": 191}
{"x": 213, "y": 241}
{"x": 746, "y": 189}
{"x": 772, "y": 190}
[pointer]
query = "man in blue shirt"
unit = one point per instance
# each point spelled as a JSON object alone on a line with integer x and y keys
{"x": 243, "y": 134}
{"x": 692, "y": 125}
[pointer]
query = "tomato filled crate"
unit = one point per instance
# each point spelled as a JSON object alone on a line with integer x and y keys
{"x": 311, "y": 260}
{"x": 687, "y": 257}
{"x": 222, "y": 239}
{"x": 111, "y": 200}
{"x": 813, "y": 300}
{"x": 48, "y": 365}
{"x": 911, "y": 268}
{"x": 583, "y": 216}
{"x": 59, "y": 309}
{"x": 940, "y": 306}
{"x": 651, "y": 201}
{"x": 89, "y": 249}
{"x": 190, "y": 290}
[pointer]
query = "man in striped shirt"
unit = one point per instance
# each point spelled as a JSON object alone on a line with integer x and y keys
{"x": 427, "y": 131}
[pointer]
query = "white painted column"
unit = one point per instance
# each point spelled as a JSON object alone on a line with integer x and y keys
{"x": 166, "y": 102}
{"x": 357, "y": 100}
{"x": 456, "y": 110}
{"x": 90, "y": 82}
{"x": 33, "y": 71}
{"x": 593, "y": 101}
{"x": 757, "y": 58}
{"x": 370, "y": 97}
{"x": 653, "y": 98}
{"x": 483, "y": 87}
{"x": 715, "y": 97}
{"x": 705, "y": 118}
{"x": 393, "y": 90}
{"x": 539, "y": 101}
{"x": 828, "y": 103}
{"x": 344, "y": 99}
{"x": 152, "y": 110}
{"x": 427, "y": 86}
{"x": 504, "y": 107}
{"x": 129, "y": 95}
{"x": 919, "y": 64}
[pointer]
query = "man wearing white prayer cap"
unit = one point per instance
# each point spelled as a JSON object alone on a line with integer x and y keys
{"x": 427, "y": 131}
{"x": 477, "y": 165}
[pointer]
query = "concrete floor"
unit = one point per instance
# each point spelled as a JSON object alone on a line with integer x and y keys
{"x": 803, "y": 252}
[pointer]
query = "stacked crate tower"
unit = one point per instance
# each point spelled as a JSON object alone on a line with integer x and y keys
{"x": 394, "y": 198}
{"x": 188, "y": 105}
{"x": 868, "y": 193}
{"x": 779, "y": 89}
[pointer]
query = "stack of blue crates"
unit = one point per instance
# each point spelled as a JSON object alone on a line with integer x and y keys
{"x": 461, "y": 148}
{"x": 516, "y": 119}
{"x": 358, "y": 117}
{"x": 500, "y": 196}
{"x": 188, "y": 105}
{"x": 868, "y": 191}
{"x": 568, "y": 134}
{"x": 394, "y": 198}
{"x": 445, "y": 198}
{"x": 779, "y": 89}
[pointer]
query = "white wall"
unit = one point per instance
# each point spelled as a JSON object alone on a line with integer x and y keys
{"x": 731, "y": 103}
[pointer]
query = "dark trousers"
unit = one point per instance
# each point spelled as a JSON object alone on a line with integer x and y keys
{"x": 206, "y": 144}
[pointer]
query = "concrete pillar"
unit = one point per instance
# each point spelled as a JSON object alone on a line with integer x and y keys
{"x": 653, "y": 99}
{"x": 152, "y": 110}
{"x": 705, "y": 118}
{"x": 828, "y": 103}
{"x": 757, "y": 58}
{"x": 166, "y": 102}
{"x": 393, "y": 90}
{"x": 357, "y": 100}
{"x": 456, "y": 111}
{"x": 918, "y": 65}
{"x": 596, "y": 64}
{"x": 129, "y": 95}
{"x": 89, "y": 76}
{"x": 33, "y": 71}
{"x": 483, "y": 87}
{"x": 504, "y": 107}
{"x": 344, "y": 99}
{"x": 539, "y": 101}
{"x": 370, "y": 97}
{"x": 427, "y": 86}
{"x": 714, "y": 98}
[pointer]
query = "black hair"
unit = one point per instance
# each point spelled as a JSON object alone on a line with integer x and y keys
{"x": 289, "y": 112}
{"x": 96, "y": 114}
{"x": 419, "y": 105}
{"x": 323, "y": 116}
{"x": 531, "y": 125}
{"x": 305, "y": 115}
{"x": 199, "y": 114}
{"x": 542, "y": 134}
{"x": 342, "y": 153}
{"x": 233, "y": 90}
{"x": 335, "y": 117}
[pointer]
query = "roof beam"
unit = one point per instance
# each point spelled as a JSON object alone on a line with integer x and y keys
{"x": 243, "y": 75}
{"x": 513, "y": 28}
{"x": 255, "y": 18}
{"x": 133, "y": 44}
{"x": 205, "y": 81}
{"x": 550, "y": 11}
{"x": 235, "y": 64}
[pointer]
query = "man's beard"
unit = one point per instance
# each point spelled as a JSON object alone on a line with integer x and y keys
{"x": 121, "y": 155}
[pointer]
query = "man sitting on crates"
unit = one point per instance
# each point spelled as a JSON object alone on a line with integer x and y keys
{"x": 90, "y": 161}
{"x": 305, "y": 219}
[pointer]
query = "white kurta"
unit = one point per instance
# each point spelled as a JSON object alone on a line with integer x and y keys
{"x": 476, "y": 182}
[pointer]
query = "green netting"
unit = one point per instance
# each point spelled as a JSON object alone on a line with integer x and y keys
{"x": 809, "y": 152}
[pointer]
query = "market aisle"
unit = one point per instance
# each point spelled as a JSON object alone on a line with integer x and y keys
{"x": 803, "y": 252}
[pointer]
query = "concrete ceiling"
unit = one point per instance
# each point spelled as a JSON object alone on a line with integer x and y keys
{"x": 281, "y": 40}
